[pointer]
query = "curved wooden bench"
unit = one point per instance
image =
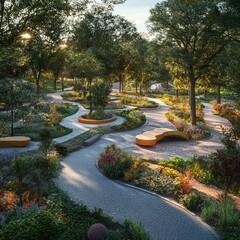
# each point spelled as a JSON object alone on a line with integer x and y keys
{"x": 150, "y": 138}
{"x": 16, "y": 141}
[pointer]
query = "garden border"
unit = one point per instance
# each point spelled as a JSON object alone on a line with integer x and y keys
{"x": 209, "y": 228}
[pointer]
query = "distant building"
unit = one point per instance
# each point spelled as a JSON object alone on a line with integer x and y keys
{"x": 160, "y": 87}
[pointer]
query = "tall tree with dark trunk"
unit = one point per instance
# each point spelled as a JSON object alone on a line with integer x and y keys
{"x": 193, "y": 31}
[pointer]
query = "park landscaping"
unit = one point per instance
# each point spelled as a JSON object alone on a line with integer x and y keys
{"x": 230, "y": 110}
{"x": 32, "y": 207}
{"x": 43, "y": 115}
{"x": 179, "y": 115}
{"x": 138, "y": 102}
{"x": 76, "y": 97}
{"x": 192, "y": 51}
{"x": 173, "y": 178}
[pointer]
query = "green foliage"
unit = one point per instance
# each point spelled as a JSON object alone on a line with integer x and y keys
{"x": 61, "y": 150}
{"x": 49, "y": 116}
{"x": 134, "y": 119}
{"x": 226, "y": 164}
{"x": 99, "y": 115}
{"x": 177, "y": 163}
{"x": 18, "y": 97}
{"x": 159, "y": 183}
{"x": 135, "y": 230}
{"x": 115, "y": 162}
{"x": 100, "y": 94}
{"x": 76, "y": 219}
{"x": 194, "y": 202}
{"x": 140, "y": 102}
{"x": 201, "y": 170}
{"x": 224, "y": 214}
{"x": 32, "y": 172}
{"x": 45, "y": 140}
{"x": 31, "y": 226}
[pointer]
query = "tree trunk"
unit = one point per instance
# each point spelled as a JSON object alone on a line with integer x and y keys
{"x": 55, "y": 83}
{"x": 218, "y": 94}
{"x": 192, "y": 96}
{"x": 62, "y": 80}
{"x": 177, "y": 93}
{"x": 38, "y": 82}
{"x": 189, "y": 95}
{"x": 140, "y": 89}
{"x": 12, "y": 121}
{"x": 122, "y": 80}
{"x": 90, "y": 95}
{"x": 205, "y": 93}
{"x": 136, "y": 87}
{"x": 120, "y": 87}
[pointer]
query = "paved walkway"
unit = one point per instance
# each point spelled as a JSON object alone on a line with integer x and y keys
{"x": 174, "y": 147}
{"x": 85, "y": 184}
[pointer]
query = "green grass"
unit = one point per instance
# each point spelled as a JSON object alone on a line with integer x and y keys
{"x": 32, "y": 129}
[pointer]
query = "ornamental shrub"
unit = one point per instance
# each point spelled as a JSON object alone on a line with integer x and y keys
{"x": 31, "y": 226}
{"x": 115, "y": 162}
{"x": 194, "y": 202}
{"x": 159, "y": 183}
{"x": 33, "y": 172}
{"x": 135, "y": 230}
{"x": 197, "y": 131}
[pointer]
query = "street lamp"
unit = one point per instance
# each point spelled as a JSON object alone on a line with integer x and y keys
{"x": 63, "y": 46}
{"x": 26, "y": 36}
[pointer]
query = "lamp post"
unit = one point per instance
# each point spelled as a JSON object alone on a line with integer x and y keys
{"x": 26, "y": 36}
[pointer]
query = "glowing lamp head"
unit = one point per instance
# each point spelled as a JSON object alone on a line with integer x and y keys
{"x": 26, "y": 36}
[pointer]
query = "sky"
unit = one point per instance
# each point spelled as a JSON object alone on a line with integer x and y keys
{"x": 136, "y": 11}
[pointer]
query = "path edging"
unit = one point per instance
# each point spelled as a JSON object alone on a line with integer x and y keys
{"x": 209, "y": 228}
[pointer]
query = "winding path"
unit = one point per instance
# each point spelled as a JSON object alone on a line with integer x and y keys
{"x": 164, "y": 220}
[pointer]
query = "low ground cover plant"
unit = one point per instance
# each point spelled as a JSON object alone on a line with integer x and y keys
{"x": 33, "y": 208}
{"x": 59, "y": 218}
{"x": 173, "y": 179}
{"x": 46, "y": 116}
{"x": 230, "y": 110}
{"x": 76, "y": 97}
{"x": 140, "y": 102}
{"x": 133, "y": 119}
{"x": 179, "y": 116}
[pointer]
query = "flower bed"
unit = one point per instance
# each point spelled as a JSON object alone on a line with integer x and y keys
{"x": 133, "y": 119}
{"x": 139, "y": 102}
{"x": 231, "y": 111}
{"x": 47, "y": 115}
{"x": 85, "y": 119}
{"x": 179, "y": 116}
{"x": 172, "y": 178}
{"x": 75, "y": 97}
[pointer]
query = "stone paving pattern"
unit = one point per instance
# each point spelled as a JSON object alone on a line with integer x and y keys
{"x": 81, "y": 179}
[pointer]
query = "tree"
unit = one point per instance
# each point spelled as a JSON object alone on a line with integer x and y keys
{"x": 39, "y": 54}
{"x": 18, "y": 97}
{"x": 86, "y": 66}
{"x": 193, "y": 32}
{"x": 139, "y": 68}
{"x": 105, "y": 35}
{"x": 100, "y": 93}
{"x": 57, "y": 64}
{"x": 19, "y": 16}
